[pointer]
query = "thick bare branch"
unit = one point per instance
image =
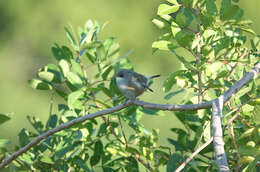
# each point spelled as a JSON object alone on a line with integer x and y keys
{"x": 217, "y": 132}
{"x": 211, "y": 139}
{"x": 204, "y": 105}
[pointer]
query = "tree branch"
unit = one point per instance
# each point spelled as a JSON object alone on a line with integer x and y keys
{"x": 211, "y": 139}
{"x": 198, "y": 59}
{"x": 204, "y": 105}
{"x": 193, "y": 155}
{"x": 61, "y": 127}
{"x": 217, "y": 132}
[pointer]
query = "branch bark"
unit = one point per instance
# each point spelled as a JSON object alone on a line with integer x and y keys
{"x": 217, "y": 132}
{"x": 203, "y": 105}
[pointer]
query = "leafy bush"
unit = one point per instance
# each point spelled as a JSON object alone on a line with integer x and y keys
{"x": 216, "y": 41}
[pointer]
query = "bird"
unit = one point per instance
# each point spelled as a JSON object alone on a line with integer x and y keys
{"x": 132, "y": 84}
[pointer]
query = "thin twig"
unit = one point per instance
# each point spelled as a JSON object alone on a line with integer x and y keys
{"x": 83, "y": 68}
{"x": 198, "y": 61}
{"x": 235, "y": 65}
{"x": 122, "y": 130}
{"x": 232, "y": 135}
{"x": 146, "y": 164}
{"x": 193, "y": 155}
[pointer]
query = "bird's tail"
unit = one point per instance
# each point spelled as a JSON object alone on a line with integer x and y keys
{"x": 154, "y": 76}
{"x": 151, "y": 77}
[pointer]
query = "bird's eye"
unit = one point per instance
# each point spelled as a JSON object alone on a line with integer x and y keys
{"x": 121, "y": 75}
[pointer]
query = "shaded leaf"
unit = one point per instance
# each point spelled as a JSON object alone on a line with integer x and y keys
{"x": 4, "y": 118}
{"x": 39, "y": 85}
{"x": 173, "y": 163}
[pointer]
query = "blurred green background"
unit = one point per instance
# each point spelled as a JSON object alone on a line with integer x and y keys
{"x": 28, "y": 29}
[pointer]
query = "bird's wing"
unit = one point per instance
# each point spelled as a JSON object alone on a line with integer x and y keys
{"x": 140, "y": 79}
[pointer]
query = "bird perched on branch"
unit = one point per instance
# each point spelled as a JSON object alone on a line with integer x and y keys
{"x": 132, "y": 84}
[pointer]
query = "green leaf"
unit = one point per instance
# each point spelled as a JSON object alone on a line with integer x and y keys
{"x": 61, "y": 93}
{"x": 24, "y": 137}
{"x": 181, "y": 20}
{"x": 47, "y": 160}
{"x": 94, "y": 160}
{"x": 65, "y": 67}
{"x": 174, "y": 161}
{"x": 71, "y": 39}
{"x": 165, "y": 9}
{"x": 61, "y": 52}
{"x": 229, "y": 11}
{"x": 150, "y": 111}
{"x": 4, "y": 118}
{"x": 161, "y": 24}
{"x": 56, "y": 71}
{"x": 211, "y": 7}
{"x": 98, "y": 148}
{"x": 175, "y": 28}
{"x": 187, "y": 64}
{"x": 50, "y": 73}
{"x": 173, "y": 2}
{"x": 248, "y": 108}
{"x": 4, "y": 143}
{"x": 248, "y": 150}
{"x": 101, "y": 53}
{"x": 52, "y": 121}
{"x": 247, "y": 133}
{"x": 92, "y": 55}
{"x": 39, "y": 85}
{"x": 173, "y": 93}
{"x": 184, "y": 38}
{"x": 252, "y": 166}
{"x": 36, "y": 123}
{"x": 106, "y": 72}
{"x": 26, "y": 158}
{"x": 124, "y": 63}
{"x": 164, "y": 45}
{"x": 61, "y": 150}
{"x": 77, "y": 68}
{"x": 248, "y": 30}
{"x": 176, "y": 144}
{"x": 168, "y": 83}
{"x": 67, "y": 54}
{"x": 81, "y": 163}
{"x": 73, "y": 99}
{"x": 69, "y": 115}
{"x": 102, "y": 129}
{"x": 74, "y": 79}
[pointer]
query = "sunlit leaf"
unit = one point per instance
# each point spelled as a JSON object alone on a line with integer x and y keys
{"x": 165, "y": 9}
{"x": 74, "y": 79}
{"x": 73, "y": 99}
{"x": 71, "y": 38}
{"x": 164, "y": 45}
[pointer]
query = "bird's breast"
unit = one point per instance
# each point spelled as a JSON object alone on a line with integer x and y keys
{"x": 129, "y": 88}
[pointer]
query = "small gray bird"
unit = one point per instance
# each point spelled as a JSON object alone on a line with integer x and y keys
{"x": 132, "y": 84}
